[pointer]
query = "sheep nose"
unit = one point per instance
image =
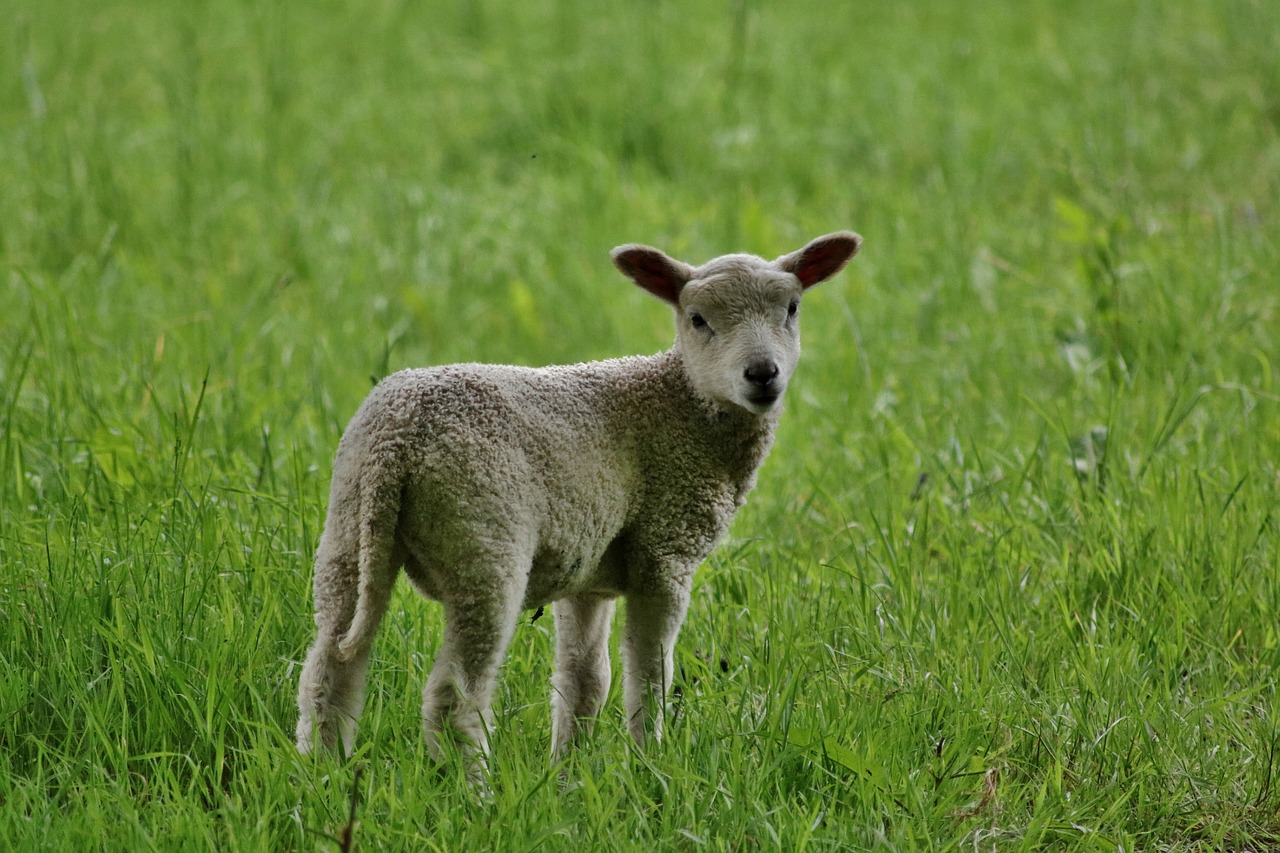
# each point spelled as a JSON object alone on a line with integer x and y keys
{"x": 761, "y": 372}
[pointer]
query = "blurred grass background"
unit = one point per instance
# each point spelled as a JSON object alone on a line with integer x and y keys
{"x": 1009, "y": 579}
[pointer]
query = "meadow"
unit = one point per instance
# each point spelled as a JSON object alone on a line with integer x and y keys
{"x": 1009, "y": 581}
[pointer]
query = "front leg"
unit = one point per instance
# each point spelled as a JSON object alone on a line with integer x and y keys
{"x": 654, "y": 617}
{"x": 581, "y": 680}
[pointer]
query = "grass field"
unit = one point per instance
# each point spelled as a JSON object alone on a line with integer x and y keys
{"x": 1009, "y": 580}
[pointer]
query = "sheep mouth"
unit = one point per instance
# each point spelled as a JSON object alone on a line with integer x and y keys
{"x": 763, "y": 401}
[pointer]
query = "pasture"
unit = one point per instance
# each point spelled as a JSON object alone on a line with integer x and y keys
{"x": 1009, "y": 581}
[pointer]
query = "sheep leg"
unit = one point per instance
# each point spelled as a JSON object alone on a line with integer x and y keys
{"x": 331, "y": 686}
{"x": 459, "y": 690}
{"x": 330, "y": 695}
{"x": 581, "y": 679}
{"x": 653, "y": 621}
{"x": 357, "y": 564}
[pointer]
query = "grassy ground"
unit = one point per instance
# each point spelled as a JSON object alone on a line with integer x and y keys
{"x": 1008, "y": 582}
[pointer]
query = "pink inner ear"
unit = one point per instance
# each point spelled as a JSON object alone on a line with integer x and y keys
{"x": 653, "y": 271}
{"x": 822, "y": 258}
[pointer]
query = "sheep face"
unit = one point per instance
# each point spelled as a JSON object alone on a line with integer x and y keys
{"x": 738, "y": 332}
{"x": 737, "y": 317}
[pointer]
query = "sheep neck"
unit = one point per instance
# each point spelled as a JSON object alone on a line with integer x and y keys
{"x": 740, "y": 438}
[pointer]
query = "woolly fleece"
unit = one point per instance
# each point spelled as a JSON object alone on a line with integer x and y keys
{"x": 501, "y": 488}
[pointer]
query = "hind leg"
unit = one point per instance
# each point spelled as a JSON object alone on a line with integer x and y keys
{"x": 459, "y": 691}
{"x": 331, "y": 688}
{"x": 582, "y": 675}
{"x": 330, "y": 695}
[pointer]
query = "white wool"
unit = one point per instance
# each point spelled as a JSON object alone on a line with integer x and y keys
{"x": 500, "y": 488}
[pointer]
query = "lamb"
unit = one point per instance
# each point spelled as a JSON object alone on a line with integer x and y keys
{"x": 500, "y": 489}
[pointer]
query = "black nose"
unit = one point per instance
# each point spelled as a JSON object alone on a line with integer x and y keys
{"x": 761, "y": 372}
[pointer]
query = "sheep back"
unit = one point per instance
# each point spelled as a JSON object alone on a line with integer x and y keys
{"x": 609, "y": 476}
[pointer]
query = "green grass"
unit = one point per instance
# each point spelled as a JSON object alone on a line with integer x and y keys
{"x": 1009, "y": 580}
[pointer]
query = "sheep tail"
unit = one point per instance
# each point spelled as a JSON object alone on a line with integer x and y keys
{"x": 379, "y": 509}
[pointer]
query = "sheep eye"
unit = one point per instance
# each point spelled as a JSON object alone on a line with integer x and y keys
{"x": 697, "y": 320}
{"x": 792, "y": 309}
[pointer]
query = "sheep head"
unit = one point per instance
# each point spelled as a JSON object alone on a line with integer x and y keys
{"x": 737, "y": 321}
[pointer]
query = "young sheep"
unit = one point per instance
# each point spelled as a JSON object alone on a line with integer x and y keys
{"x": 499, "y": 489}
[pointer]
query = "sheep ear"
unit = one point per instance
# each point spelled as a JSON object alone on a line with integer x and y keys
{"x": 821, "y": 258}
{"x": 654, "y": 271}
